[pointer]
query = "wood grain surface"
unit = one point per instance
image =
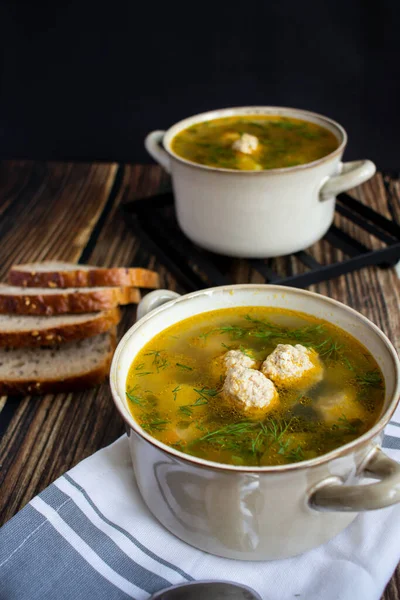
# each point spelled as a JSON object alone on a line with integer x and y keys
{"x": 72, "y": 212}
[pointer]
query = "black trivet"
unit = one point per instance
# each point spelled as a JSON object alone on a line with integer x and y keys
{"x": 153, "y": 219}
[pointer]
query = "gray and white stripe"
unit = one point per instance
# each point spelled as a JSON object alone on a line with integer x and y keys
{"x": 45, "y": 565}
{"x": 86, "y": 552}
{"x": 124, "y": 540}
{"x": 102, "y": 552}
{"x": 391, "y": 439}
{"x": 123, "y": 563}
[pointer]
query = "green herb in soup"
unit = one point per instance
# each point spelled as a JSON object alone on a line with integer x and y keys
{"x": 255, "y": 386}
{"x": 254, "y": 143}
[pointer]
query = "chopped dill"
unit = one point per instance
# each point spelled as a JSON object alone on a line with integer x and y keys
{"x": 249, "y": 436}
{"x": 179, "y": 445}
{"x": 133, "y": 397}
{"x": 156, "y": 424}
{"x": 246, "y": 351}
{"x": 262, "y": 323}
{"x": 345, "y": 425}
{"x": 204, "y": 336}
{"x": 206, "y": 393}
{"x": 347, "y": 363}
{"x": 144, "y": 373}
{"x": 276, "y": 429}
{"x": 183, "y": 367}
{"x": 283, "y": 447}
{"x": 187, "y": 408}
{"x": 176, "y": 390}
{"x": 139, "y": 367}
{"x": 199, "y": 426}
{"x": 266, "y": 330}
{"x": 231, "y": 429}
{"x": 329, "y": 349}
{"x": 199, "y": 402}
{"x": 301, "y": 333}
{"x": 304, "y": 333}
{"x": 295, "y": 455}
{"x": 370, "y": 379}
{"x": 234, "y": 331}
{"x": 257, "y": 442}
{"x": 265, "y": 334}
{"x": 159, "y": 360}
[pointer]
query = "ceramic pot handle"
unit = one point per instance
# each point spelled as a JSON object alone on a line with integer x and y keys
{"x": 152, "y": 143}
{"x": 355, "y": 498}
{"x": 154, "y": 300}
{"x": 353, "y": 173}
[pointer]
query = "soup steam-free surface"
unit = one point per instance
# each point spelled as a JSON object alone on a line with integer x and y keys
{"x": 274, "y": 142}
{"x": 174, "y": 388}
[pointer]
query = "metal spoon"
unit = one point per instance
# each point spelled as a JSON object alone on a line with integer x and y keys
{"x": 207, "y": 590}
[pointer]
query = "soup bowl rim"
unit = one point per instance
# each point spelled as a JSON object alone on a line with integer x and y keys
{"x": 342, "y": 450}
{"x": 212, "y": 115}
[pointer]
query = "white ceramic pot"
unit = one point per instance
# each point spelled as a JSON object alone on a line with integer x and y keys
{"x": 258, "y": 513}
{"x": 257, "y": 214}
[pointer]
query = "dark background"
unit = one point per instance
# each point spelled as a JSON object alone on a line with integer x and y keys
{"x": 88, "y": 81}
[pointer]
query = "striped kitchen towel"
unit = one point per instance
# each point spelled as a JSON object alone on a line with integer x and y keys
{"x": 89, "y": 535}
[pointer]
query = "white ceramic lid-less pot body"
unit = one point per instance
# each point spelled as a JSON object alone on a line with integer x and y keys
{"x": 257, "y": 213}
{"x": 266, "y": 512}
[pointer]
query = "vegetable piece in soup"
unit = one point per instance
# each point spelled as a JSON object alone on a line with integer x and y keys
{"x": 254, "y": 143}
{"x": 255, "y": 386}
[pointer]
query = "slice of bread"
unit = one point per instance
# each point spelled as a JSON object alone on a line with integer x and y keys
{"x": 57, "y": 274}
{"x": 66, "y": 368}
{"x": 32, "y": 331}
{"x": 45, "y": 301}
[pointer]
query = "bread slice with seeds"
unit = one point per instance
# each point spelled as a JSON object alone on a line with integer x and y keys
{"x": 45, "y": 301}
{"x": 32, "y": 331}
{"x": 57, "y": 274}
{"x": 66, "y": 368}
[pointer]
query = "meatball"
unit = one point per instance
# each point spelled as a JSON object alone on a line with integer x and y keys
{"x": 220, "y": 365}
{"x": 289, "y": 364}
{"x": 247, "y": 144}
{"x": 249, "y": 389}
{"x": 236, "y": 358}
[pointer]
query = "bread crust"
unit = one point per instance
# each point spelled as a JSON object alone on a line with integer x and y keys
{"x": 78, "y": 382}
{"x": 71, "y": 384}
{"x": 67, "y": 302}
{"x": 95, "y": 277}
{"x": 69, "y": 332}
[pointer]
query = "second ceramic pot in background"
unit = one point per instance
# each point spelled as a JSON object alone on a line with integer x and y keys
{"x": 257, "y": 214}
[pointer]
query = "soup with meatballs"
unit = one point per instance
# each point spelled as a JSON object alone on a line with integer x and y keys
{"x": 255, "y": 386}
{"x": 254, "y": 143}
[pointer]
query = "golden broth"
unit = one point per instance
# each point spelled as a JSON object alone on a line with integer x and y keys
{"x": 282, "y": 142}
{"x": 174, "y": 388}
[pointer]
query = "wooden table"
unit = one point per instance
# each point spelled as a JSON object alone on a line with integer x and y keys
{"x": 71, "y": 212}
